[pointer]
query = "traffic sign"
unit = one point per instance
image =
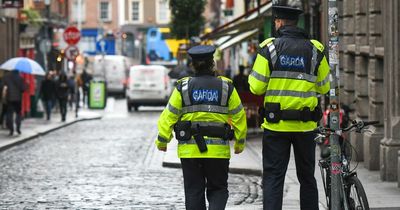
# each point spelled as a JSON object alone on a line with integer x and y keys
{"x": 45, "y": 46}
{"x": 72, "y": 35}
{"x": 71, "y": 52}
{"x": 102, "y": 46}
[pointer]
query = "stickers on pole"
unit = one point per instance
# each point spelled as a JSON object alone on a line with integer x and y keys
{"x": 333, "y": 52}
{"x": 333, "y": 35}
{"x": 332, "y": 92}
{"x": 333, "y": 24}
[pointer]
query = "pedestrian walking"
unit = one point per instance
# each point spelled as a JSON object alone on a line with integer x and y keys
{"x": 85, "y": 78}
{"x": 13, "y": 88}
{"x": 290, "y": 70}
{"x": 3, "y": 104}
{"x": 77, "y": 94}
{"x": 63, "y": 90}
{"x": 48, "y": 94}
{"x": 71, "y": 94}
{"x": 198, "y": 111}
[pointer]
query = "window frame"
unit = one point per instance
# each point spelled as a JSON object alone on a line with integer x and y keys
{"x": 109, "y": 13}
{"x": 140, "y": 20}
{"x": 158, "y": 10}
{"x": 74, "y": 11}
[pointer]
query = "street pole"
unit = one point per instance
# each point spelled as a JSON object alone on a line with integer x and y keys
{"x": 46, "y": 35}
{"x": 79, "y": 15}
{"x": 336, "y": 179}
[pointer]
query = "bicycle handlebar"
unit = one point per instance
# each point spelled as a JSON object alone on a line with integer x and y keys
{"x": 359, "y": 125}
{"x": 371, "y": 123}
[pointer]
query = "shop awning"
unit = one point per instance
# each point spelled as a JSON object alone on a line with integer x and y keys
{"x": 240, "y": 28}
{"x": 248, "y": 21}
{"x": 238, "y": 39}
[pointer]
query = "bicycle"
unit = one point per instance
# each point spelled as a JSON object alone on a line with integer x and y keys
{"x": 352, "y": 193}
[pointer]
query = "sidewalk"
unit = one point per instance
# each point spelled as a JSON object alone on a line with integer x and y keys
{"x": 34, "y": 127}
{"x": 381, "y": 195}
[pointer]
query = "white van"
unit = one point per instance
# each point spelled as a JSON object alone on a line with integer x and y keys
{"x": 148, "y": 85}
{"x": 114, "y": 70}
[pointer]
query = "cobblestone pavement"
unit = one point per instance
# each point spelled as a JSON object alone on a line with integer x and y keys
{"x": 105, "y": 164}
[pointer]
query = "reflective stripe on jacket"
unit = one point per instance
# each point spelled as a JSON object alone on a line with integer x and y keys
{"x": 290, "y": 70}
{"x": 204, "y": 100}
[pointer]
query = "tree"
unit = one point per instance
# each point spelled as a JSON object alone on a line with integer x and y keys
{"x": 187, "y": 19}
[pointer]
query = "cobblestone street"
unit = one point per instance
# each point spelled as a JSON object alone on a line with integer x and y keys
{"x": 103, "y": 164}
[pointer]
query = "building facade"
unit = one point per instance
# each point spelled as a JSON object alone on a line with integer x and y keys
{"x": 137, "y": 17}
{"x": 369, "y": 70}
{"x": 99, "y": 23}
{"x": 39, "y": 31}
{"x": 10, "y": 33}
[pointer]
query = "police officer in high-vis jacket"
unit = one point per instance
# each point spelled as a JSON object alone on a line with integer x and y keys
{"x": 290, "y": 71}
{"x": 205, "y": 112}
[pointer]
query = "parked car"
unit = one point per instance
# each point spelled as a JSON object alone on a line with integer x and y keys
{"x": 148, "y": 85}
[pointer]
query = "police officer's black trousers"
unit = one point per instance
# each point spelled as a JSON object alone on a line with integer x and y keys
{"x": 208, "y": 175}
{"x": 276, "y": 154}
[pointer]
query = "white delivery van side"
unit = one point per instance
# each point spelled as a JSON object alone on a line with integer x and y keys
{"x": 114, "y": 69}
{"x": 148, "y": 85}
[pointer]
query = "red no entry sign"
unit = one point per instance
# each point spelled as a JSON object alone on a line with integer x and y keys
{"x": 72, "y": 35}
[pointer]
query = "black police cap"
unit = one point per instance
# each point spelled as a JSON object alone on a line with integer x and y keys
{"x": 201, "y": 52}
{"x": 285, "y": 12}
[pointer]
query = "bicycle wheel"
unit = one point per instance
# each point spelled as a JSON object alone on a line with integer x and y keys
{"x": 355, "y": 194}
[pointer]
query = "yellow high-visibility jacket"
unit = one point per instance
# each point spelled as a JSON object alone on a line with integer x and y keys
{"x": 290, "y": 71}
{"x": 206, "y": 100}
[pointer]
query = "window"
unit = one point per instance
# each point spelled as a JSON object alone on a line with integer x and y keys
{"x": 136, "y": 11}
{"x": 163, "y": 13}
{"x": 105, "y": 11}
{"x": 78, "y": 9}
{"x": 88, "y": 44}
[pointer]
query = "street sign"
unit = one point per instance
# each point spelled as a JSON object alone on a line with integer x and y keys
{"x": 45, "y": 46}
{"x": 102, "y": 46}
{"x": 72, "y": 35}
{"x": 71, "y": 52}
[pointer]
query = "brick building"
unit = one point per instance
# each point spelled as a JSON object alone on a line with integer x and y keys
{"x": 98, "y": 20}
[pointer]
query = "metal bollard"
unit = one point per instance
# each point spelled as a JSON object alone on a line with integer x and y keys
{"x": 398, "y": 169}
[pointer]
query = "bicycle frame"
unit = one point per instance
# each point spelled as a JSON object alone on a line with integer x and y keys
{"x": 344, "y": 173}
{"x": 341, "y": 170}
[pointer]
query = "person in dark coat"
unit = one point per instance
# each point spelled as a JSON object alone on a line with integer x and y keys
{"x": 48, "y": 94}
{"x": 63, "y": 90}
{"x": 240, "y": 81}
{"x": 3, "y": 104}
{"x": 14, "y": 87}
{"x": 71, "y": 84}
{"x": 86, "y": 78}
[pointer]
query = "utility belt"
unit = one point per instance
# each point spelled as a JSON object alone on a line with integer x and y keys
{"x": 274, "y": 114}
{"x": 185, "y": 130}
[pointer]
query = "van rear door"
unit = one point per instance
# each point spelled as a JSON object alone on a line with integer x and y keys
{"x": 150, "y": 78}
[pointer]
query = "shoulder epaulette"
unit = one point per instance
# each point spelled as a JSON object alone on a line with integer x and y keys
{"x": 267, "y": 41}
{"x": 318, "y": 45}
{"x": 225, "y": 78}
{"x": 180, "y": 82}
{"x": 182, "y": 79}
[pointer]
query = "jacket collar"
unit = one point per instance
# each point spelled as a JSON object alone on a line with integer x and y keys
{"x": 292, "y": 32}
